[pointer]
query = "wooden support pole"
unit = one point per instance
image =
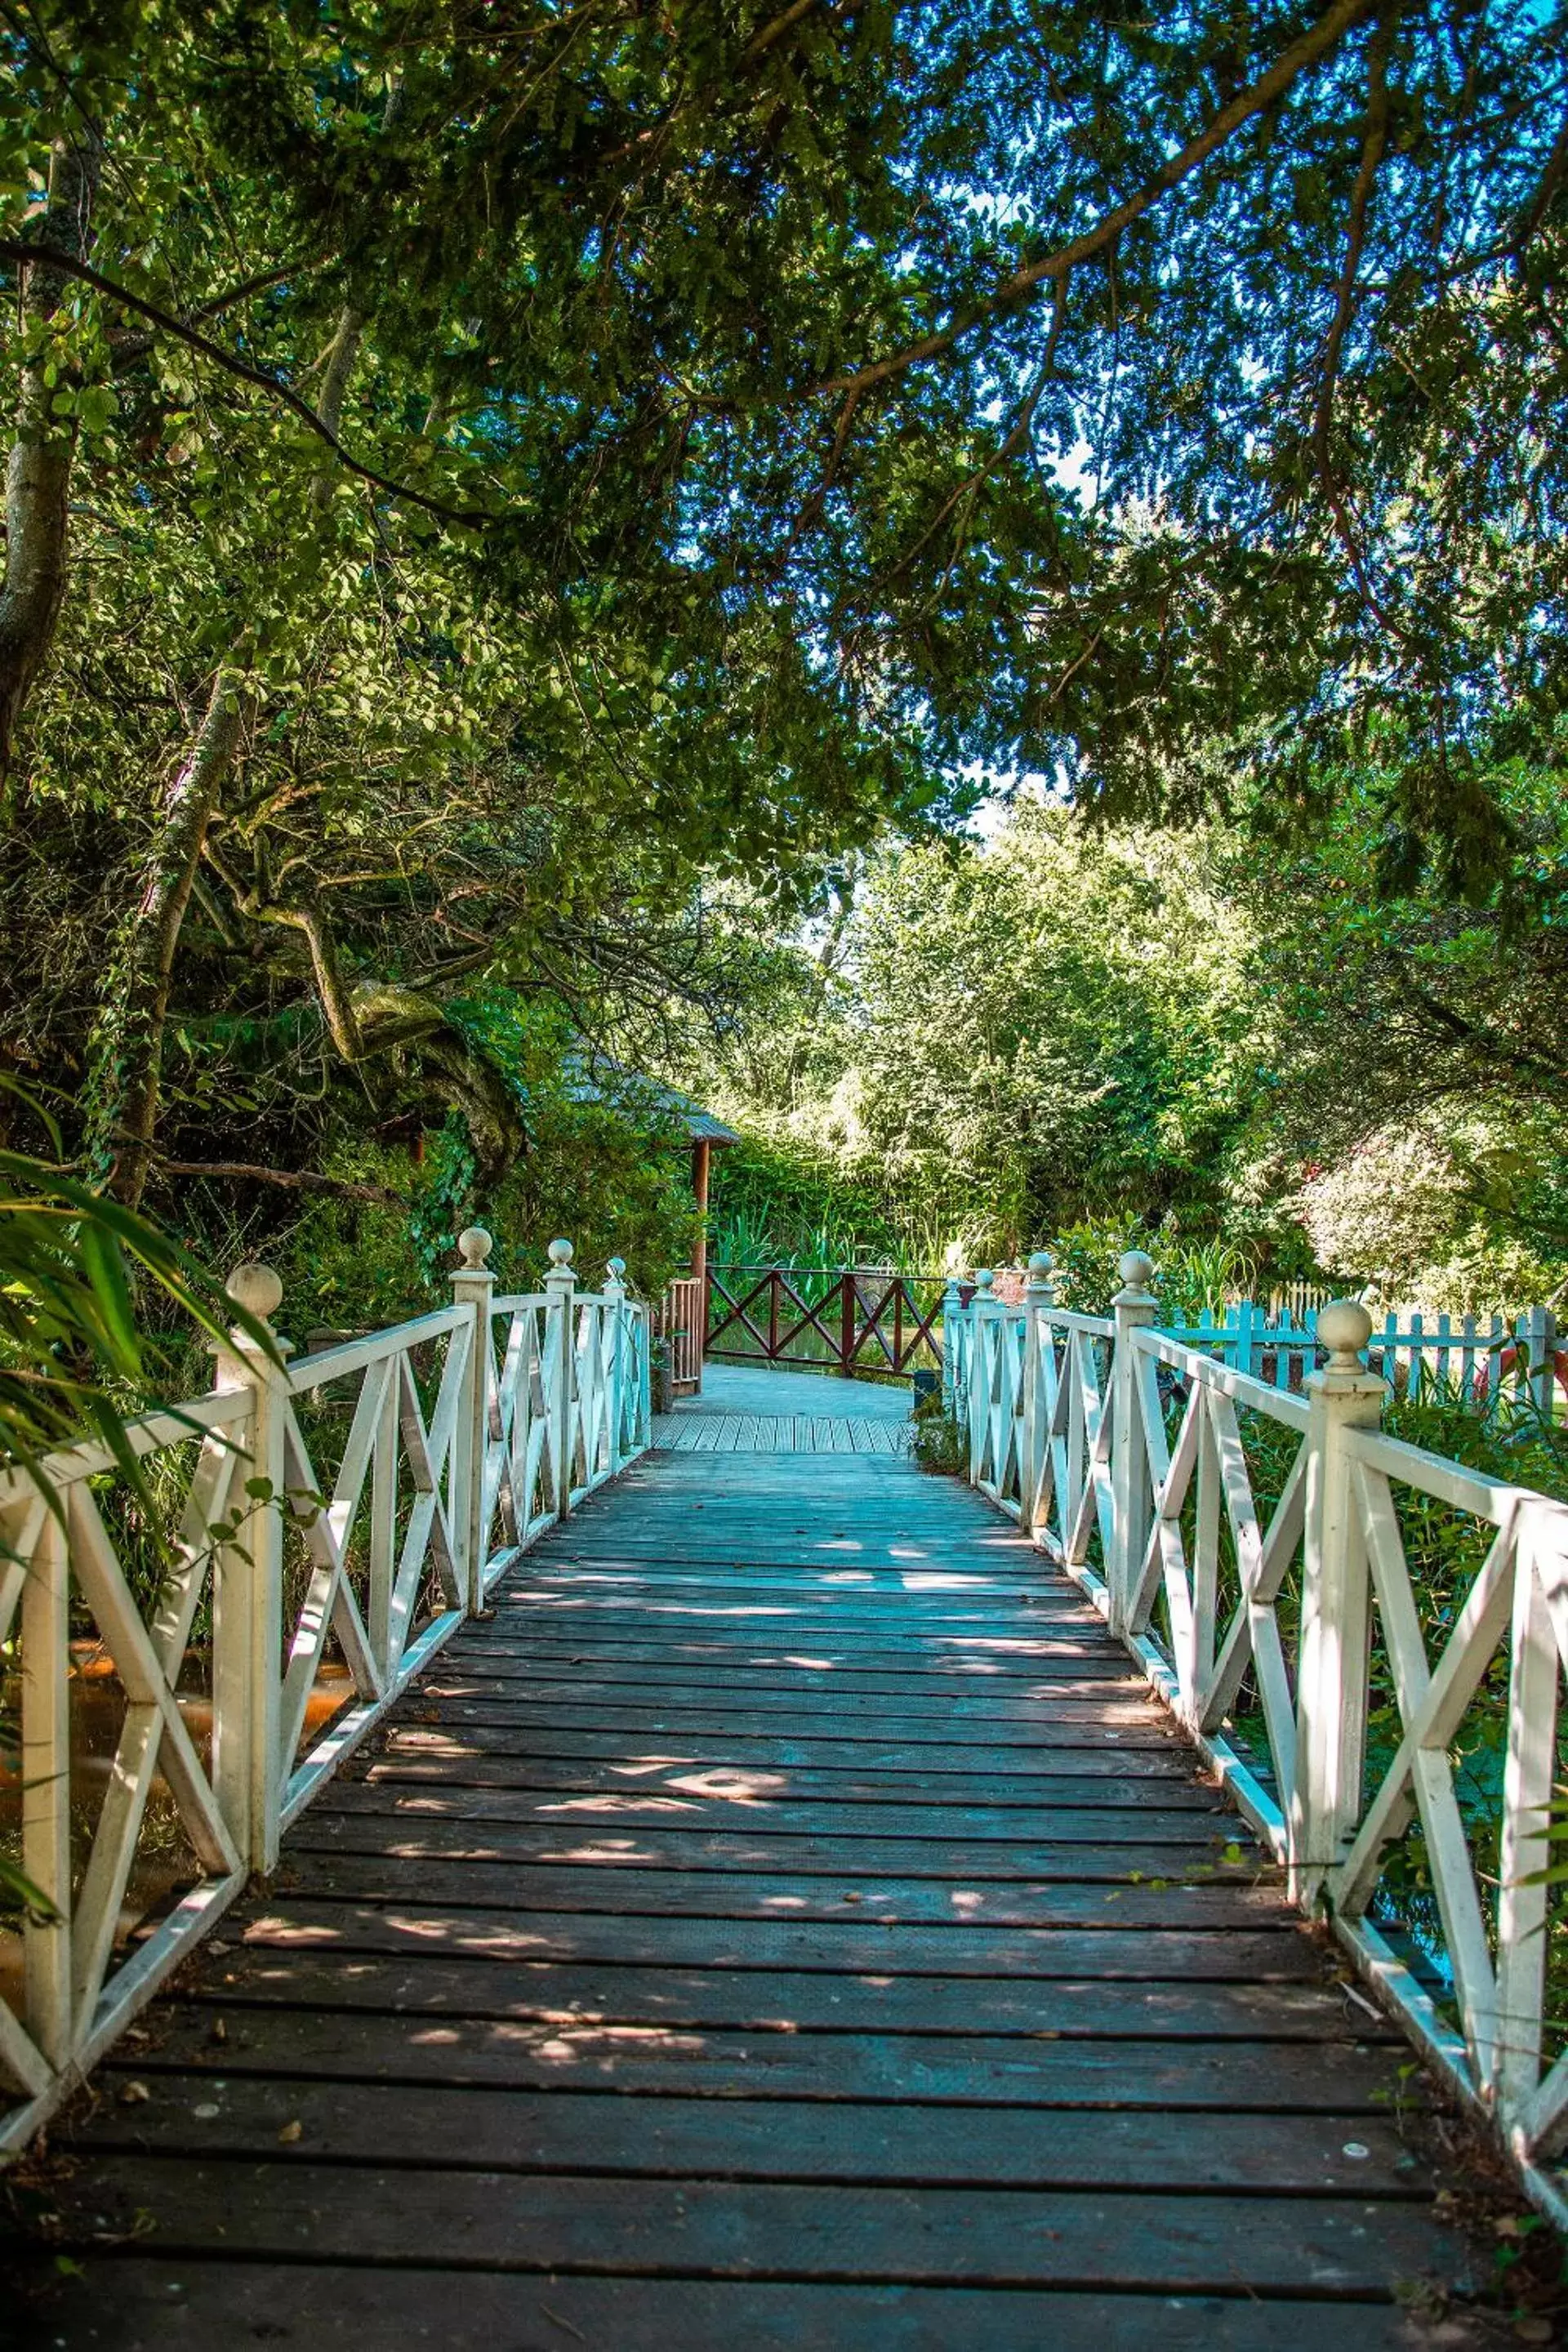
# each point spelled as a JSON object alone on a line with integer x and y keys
{"x": 702, "y": 1169}
{"x": 701, "y": 1166}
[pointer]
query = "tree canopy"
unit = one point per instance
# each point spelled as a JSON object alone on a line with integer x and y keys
{"x": 485, "y": 478}
{"x": 1193, "y": 1036}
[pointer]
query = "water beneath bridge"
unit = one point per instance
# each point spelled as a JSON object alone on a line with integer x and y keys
{"x": 790, "y": 1923}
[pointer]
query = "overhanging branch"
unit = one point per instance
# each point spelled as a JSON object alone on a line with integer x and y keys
{"x": 26, "y": 256}
{"x": 1021, "y": 286}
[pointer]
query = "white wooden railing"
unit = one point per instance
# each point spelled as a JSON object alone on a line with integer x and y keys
{"x": 1124, "y": 1451}
{"x": 364, "y": 1501}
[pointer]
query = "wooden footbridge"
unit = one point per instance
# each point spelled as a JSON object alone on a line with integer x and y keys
{"x": 789, "y": 1922}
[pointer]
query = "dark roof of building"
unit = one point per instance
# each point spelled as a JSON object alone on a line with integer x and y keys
{"x": 701, "y": 1125}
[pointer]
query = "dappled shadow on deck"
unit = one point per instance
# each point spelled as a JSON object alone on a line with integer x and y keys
{"x": 789, "y": 1922}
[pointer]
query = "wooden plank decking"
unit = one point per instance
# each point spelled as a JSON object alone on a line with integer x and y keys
{"x": 789, "y": 1924}
{"x": 751, "y": 1433}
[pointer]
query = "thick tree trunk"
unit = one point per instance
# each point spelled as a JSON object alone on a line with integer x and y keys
{"x": 38, "y": 475}
{"x": 371, "y": 1021}
{"x": 129, "y": 1049}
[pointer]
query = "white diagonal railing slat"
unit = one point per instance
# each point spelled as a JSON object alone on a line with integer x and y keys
{"x": 1129, "y": 1453}
{"x": 453, "y": 1453}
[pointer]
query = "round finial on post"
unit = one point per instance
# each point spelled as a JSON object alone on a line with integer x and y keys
{"x": 474, "y": 1246}
{"x": 616, "y": 1267}
{"x": 560, "y": 1256}
{"x": 984, "y": 1278}
{"x": 255, "y": 1288}
{"x": 1344, "y": 1326}
{"x": 1040, "y": 1263}
{"x": 1136, "y": 1268}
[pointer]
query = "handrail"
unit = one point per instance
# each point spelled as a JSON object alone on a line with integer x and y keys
{"x": 148, "y": 1434}
{"x": 366, "y": 1500}
{"x": 1130, "y": 1457}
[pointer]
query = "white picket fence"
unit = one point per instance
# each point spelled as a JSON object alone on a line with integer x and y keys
{"x": 1122, "y": 1450}
{"x": 473, "y": 1428}
{"x": 1475, "y": 1358}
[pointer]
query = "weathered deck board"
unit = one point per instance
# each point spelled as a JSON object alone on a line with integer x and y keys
{"x": 335, "y": 2307}
{"x": 787, "y": 1434}
{"x": 789, "y": 1924}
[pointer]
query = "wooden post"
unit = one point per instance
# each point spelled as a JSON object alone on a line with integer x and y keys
{"x": 847, "y": 1304}
{"x": 701, "y": 1166}
{"x": 1135, "y": 1307}
{"x": 1331, "y": 1663}
{"x": 1034, "y": 1437}
{"x": 561, "y": 1285}
{"x": 702, "y": 1169}
{"x": 473, "y": 1286}
{"x": 248, "y": 1613}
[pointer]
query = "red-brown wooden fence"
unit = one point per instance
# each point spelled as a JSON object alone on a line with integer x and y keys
{"x": 677, "y": 1320}
{"x": 854, "y": 1320}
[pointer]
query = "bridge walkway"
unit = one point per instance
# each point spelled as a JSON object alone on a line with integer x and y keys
{"x": 789, "y": 1924}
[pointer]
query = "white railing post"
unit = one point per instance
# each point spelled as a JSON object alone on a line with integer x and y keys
{"x": 247, "y": 1606}
{"x": 561, "y": 1287}
{"x": 1034, "y": 1435}
{"x": 1135, "y": 1307}
{"x": 473, "y": 1286}
{"x": 951, "y": 1343}
{"x": 1541, "y": 1355}
{"x": 1333, "y": 1658}
{"x": 645, "y": 1376}
{"x": 984, "y": 1309}
{"x": 615, "y": 1308}
{"x": 47, "y": 1789}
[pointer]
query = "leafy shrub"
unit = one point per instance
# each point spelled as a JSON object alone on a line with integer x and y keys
{"x": 941, "y": 1442}
{"x": 615, "y": 1186}
{"x": 1189, "y": 1275}
{"x": 774, "y": 1207}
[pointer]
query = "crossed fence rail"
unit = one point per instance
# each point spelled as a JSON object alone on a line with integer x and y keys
{"x": 859, "y": 1319}
{"x": 346, "y": 1512}
{"x": 1130, "y": 1457}
{"x": 852, "y": 1321}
